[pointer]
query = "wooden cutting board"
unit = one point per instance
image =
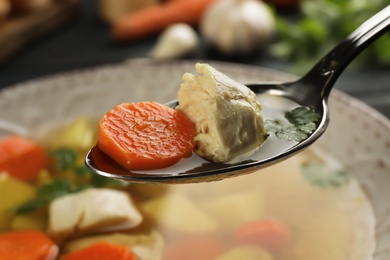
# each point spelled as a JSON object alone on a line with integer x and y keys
{"x": 17, "y": 31}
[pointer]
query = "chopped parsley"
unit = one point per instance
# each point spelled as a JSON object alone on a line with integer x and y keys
{"x": 47, "y": 193}
{"x": 65, "y": 181}
{"x": 301, "y": 123}
{"x": 65, "y": 158}
{"x": 316, "y": 174}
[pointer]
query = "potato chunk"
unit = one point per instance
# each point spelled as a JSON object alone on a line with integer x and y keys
{"x": 230, "y": 210}
{"x": 174, "y": 212}
{"x": 12, "y": 193}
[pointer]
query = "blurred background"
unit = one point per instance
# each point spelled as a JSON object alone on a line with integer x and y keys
{"x": 44, "y": 37}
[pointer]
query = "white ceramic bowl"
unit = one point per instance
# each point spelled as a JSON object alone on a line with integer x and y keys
{"x": 358, "y": 135}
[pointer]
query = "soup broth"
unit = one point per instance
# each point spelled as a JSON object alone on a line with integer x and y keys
{"x": 325, "y": 222}
{"x": 307, "y": 207}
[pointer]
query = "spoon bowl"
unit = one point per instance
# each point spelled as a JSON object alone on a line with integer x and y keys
{"x": 312, "y": 90}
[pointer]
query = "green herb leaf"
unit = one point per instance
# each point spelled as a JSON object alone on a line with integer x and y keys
{"x": 81, "y": 170}
{"x": 316, "y": 174}
{"x": 45, "y": 194}
{"x": 273, "y": 126}
{"x": 65, "y": 158}
{"x": 307, "y": 128}
{"x": 301, "y": 124}
{"x": 30, "y": 206}
{"x": 55, "y": 189}
{"x": 302, "y": 116}
{"x": 292, "y": 133}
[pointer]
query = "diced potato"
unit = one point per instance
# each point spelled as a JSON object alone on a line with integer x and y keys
{"x": 145, "y": 246}
{"x": 232, "y": 210}
{"x": 12, "y": 193}
{"x": 247, "y": 252}
{"x": 36, "y": 220}
{"x": 179, "y": 214}
{"x": 80, "y": 135}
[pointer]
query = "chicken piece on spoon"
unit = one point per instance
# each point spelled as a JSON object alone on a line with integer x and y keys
{"x": 227, "y": 114}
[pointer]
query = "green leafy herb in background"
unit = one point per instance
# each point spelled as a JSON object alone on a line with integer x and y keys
{"x": 318, "y": 175}
{"x": 66, "y": 160}
{"x": 321, "y": 26}
{"x": 47, "y": 193}
{"x": 301, "y": 124}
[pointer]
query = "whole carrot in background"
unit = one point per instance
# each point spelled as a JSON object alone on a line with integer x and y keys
{"x": 145, "y": 135}
{"x": 21, "y": 158}
{"x": 154, "y": 19}
{"x": 27, "y": 244}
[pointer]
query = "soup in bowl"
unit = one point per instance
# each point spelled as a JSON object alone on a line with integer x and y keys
{"x": 327, "y": 202}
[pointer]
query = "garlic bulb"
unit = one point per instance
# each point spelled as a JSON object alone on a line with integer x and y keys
{"x": 176, "y": 41}
{"x": 237, "y": 26}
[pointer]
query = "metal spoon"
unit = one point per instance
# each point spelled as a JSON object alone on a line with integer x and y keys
{"x": 312, "y": 90}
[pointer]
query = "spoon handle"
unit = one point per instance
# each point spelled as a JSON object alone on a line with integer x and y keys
{"x": 329, "y": 68}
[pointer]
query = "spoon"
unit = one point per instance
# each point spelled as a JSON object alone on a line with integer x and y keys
{"x": 312, "y": 91}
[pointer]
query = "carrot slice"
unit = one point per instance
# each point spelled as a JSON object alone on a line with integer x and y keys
{"x": 21, "y": 158}
{"x": 145, "y": 135}
{"x": 193, "y": 248}
{"x": 27, "y": 245}
{"x": 102, "y": 251}
{"x": 269, "y": 234}
{"x": 154, "y": 19}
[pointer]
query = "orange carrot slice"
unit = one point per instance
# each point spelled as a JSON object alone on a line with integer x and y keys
{"x": 156, "y": 18}
{"x": 269, "y": 234}
{"x": 145, "y": 135}
{"x": 21, "y": 158}
{"x": 27, "y": 245}
{"x": 102, "y": 251}
{"x": 193, "y": 248}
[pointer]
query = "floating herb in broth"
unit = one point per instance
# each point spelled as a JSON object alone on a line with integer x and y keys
{"x": 318, "y": 175}
{"x": 301, "y": 124}
{"x": 284, "y": 201}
